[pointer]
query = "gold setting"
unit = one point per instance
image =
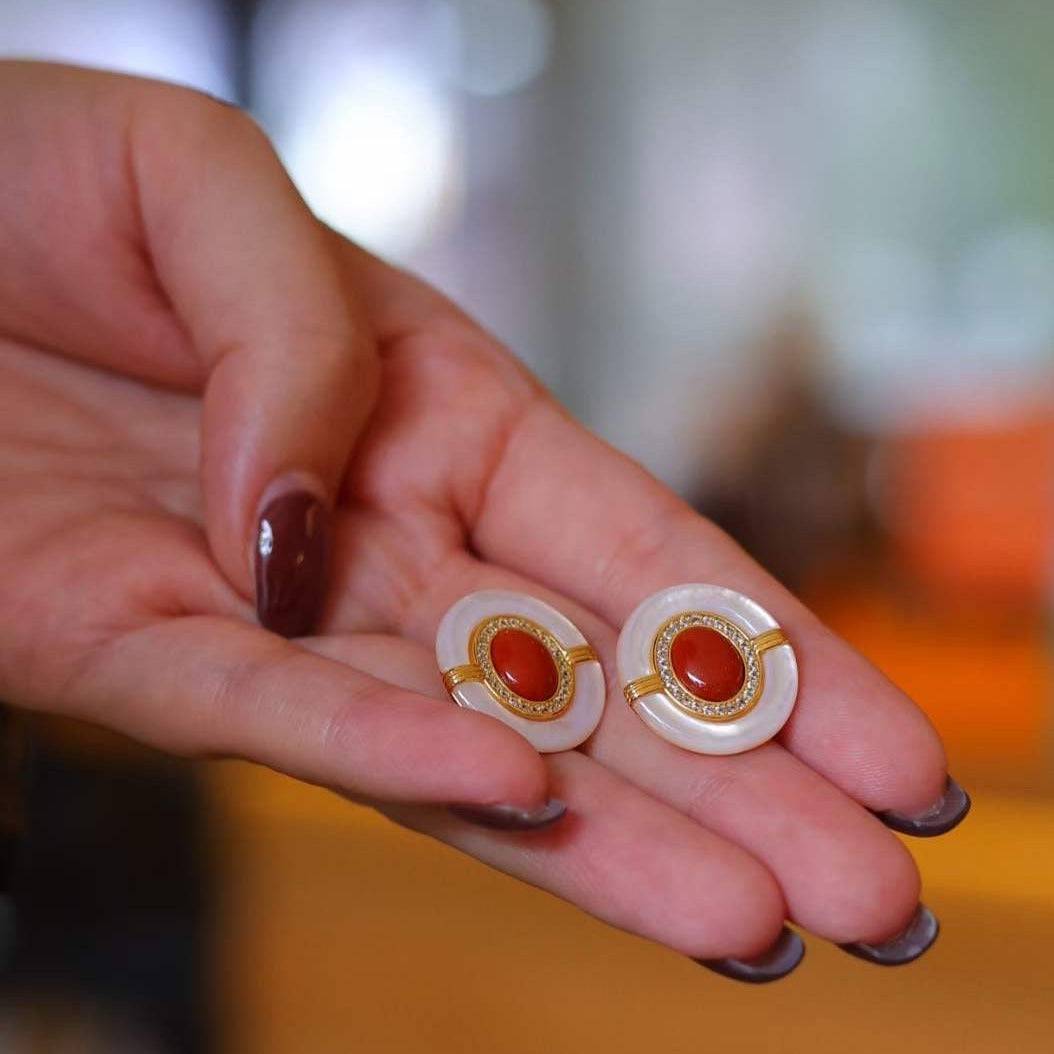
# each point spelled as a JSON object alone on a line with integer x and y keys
{"x": 641, "y": 687}
{"x": 772, "y": 638}
{"x": 581, "y": 653}
{"x": 663, "y": 678}
{"x": 482, "y": 669}
{"x": 461, "y": 674}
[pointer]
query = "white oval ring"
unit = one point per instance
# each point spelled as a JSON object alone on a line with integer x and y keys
{"x": 577, "y": 723}
{"x": 663, "y": 716}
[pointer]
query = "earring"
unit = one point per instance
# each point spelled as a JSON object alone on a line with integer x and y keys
{"x": 707, "y": 669}
{"x": 515, "y": 658}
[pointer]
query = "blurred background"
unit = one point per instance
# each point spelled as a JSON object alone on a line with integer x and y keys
{"x": 810, "y": 245}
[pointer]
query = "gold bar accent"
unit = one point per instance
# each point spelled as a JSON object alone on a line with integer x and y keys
{"x": 772, "y": 638}
{"x": 641, "y": 687}
{"x": 460, "y": 674}
{"x": 581, "y": 653}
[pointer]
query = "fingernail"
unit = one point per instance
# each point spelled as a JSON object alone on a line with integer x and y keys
{"x": 783, "y": 957}
{"x": 921, "y": 932}
{"x": 511, "y": 818}
{"x": 291, "y": 550}
{"x": 948, "y": 812}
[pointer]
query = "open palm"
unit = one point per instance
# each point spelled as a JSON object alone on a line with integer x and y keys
{"x": 176, "y": 331}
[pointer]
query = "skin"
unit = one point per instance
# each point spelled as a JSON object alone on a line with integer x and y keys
{"x": 177, "y": 333}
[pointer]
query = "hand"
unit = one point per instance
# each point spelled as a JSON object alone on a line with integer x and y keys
{"x": 181, "y": 343}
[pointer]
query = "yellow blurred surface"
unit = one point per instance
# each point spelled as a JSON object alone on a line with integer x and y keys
{"x": 340, "y": 932}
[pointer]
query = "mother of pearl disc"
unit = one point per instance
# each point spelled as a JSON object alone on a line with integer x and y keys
{"x": 577, "y": 723}
{"x": 663, "y": 716}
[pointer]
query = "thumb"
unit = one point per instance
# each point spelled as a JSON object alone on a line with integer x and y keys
{"x": 289, "y": 363}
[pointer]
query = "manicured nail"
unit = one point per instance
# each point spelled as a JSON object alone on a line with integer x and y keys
{"x": 291, "y": 549}
{"x": 921, "y": 932}
{"x": 783, "y": 957}
{"x": 941, "y": 817}
{"x": 511, "y": 818}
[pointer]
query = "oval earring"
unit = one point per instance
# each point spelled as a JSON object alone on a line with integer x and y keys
{"x": 708, "y": 669}
{"x": 515, "y": 658}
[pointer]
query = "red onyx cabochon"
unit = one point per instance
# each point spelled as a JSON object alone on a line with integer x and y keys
{"x": 707, "y": 664}
{"x": 524, "y": 664}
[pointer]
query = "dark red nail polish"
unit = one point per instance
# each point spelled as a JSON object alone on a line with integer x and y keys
{"x": 511, "y": 818}
{"x": 783, "y": 957}
{"x": 292, "y": 543}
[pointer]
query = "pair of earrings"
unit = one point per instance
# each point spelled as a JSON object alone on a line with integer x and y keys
{"x": 702, "y": 666}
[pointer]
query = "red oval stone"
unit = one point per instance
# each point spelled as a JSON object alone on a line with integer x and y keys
{"x": 707, "y": 664}
{"x": 523, "y": 662}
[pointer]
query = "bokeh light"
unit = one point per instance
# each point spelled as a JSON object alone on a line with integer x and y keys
{"x": 366, "y": 127}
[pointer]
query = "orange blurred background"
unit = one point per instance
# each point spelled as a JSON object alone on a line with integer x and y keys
{"x": 815, "y": 240}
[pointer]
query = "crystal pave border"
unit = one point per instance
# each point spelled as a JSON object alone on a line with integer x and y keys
{"x": 481, "y": 669}
{"x": 664, "y": 678}
{"x": 743, "y": 701}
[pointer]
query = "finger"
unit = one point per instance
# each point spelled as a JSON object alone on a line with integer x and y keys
{"x": 289, "y": 360}
{"x": 160, "y": 237}
{"x": 208, "y": 685}
{"x": 843, "y": 875}
{"x": 632, "y": 862}
{"x": 619, "y": 854}
{"x": 629, "y": 537}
